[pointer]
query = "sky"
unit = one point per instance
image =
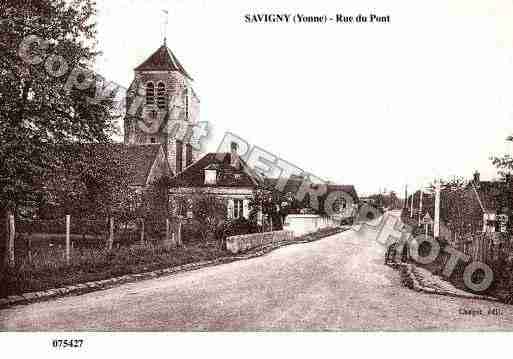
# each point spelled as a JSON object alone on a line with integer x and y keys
{"x": 380, "y": 106}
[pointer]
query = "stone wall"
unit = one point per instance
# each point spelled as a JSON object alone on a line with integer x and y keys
{"x": 241, "y": 243}
{"x": 301, "y": 224}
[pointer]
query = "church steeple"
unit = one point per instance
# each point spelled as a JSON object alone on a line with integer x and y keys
{"x": 163, "y": 95}
{"x": 163, "y": 60}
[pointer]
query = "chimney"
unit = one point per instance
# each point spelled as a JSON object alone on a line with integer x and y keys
{"x": 476, "y": 178}
{"x": 234, "y": 156}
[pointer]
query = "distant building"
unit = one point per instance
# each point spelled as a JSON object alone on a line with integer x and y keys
{"x": 345, "y": 209}
{"x": 493, "y": 198}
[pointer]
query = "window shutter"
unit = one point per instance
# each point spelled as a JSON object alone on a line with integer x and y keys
{"x": 245, "y": 211}
{"x": 230, "y": 208}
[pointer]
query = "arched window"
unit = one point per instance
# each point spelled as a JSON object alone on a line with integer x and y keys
{"x": 150, "y": 93}
{"x": 161, "y": 95}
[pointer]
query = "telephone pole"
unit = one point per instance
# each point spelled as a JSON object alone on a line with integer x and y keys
{"x": 405, "y": 206}
{"x": 436, "y": 224}
{"x": 420, "y": 204}
{"x": 411, "y": 205}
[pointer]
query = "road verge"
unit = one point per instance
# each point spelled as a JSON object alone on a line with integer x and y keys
{"x": 422, "y": 280}
{"x": 82, "y": 288}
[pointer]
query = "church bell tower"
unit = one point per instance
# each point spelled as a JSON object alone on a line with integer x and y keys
{"x": 161, "y": 105}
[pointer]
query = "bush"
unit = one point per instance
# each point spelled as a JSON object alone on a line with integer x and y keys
{"x": 190, "y": 232}
{"x": 237, "y": 227}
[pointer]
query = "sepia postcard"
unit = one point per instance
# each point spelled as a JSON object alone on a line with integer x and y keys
{"x": 172, "y": 166}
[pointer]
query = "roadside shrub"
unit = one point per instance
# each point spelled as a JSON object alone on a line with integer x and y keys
{"x": 237, "y": 227}
{"x": 190, "y": 232}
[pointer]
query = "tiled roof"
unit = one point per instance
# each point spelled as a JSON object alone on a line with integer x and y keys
{"x": 136, "y": 159}
{"x": 163, "y": 60}
{"x": 228, "y": 176}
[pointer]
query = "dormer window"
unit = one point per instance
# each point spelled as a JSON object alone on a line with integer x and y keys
{"x": 150, "y": 93}
{"x": 161, "y": 95}
{"x": 211, "y": 174}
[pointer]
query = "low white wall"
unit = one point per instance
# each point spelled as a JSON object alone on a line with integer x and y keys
{"x": 236, "y": 244}
{"x": 301, "y": 224}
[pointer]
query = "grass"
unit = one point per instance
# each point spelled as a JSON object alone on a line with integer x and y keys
{"x": 48, "y": 268}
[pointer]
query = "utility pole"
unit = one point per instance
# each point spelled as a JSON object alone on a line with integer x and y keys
{"x": 436, "y": 224}
{"x": 405, "y": 206}
{"x": 411, "y": 205}
{"x": 68, "y": 239}
{"x": 420, "y": 204}
{"x": 11, "y": 234}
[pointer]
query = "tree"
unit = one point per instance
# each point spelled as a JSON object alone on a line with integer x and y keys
{"x": 91, "y": 182}
{"x": 459, "y": 207}
{"x": 269, "y": 201}
{"x": 209, "y": 213}
{"x": 504, "y": 163}
{"x": 42, "y": 106}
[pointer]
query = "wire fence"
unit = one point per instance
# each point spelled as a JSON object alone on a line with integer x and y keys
{"x": 486, "y": 247}
{"x": 63, "y": 241}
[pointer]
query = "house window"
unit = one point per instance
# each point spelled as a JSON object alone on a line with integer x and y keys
{"x": 238, "y": 208}
{"x": 152, "y": 140}
{"x": 138, "y": 198}
{"x": 210, "y": 176}
{"x": 150, "y": 93}
{"x": 161, "y": 95}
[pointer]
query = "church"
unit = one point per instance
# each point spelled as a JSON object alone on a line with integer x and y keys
{"x": 162, "y": 108}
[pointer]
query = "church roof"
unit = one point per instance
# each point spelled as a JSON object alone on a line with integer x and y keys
{"x": 162, "y": 60}
{"x": 137, "y": 160}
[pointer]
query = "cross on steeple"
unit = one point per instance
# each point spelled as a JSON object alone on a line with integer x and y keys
{"x": 165, "y": 23}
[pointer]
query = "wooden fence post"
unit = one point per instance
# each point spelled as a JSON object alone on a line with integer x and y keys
{"x": 142, "y": 231}
{"x": 11, "y": 228}
{"x": 29, "y": 248}
{"x": 68, "y": 244}
{"x": 179, "y": 233}
{"x": 167, "y": 230}
{"x": 110, "y": 242}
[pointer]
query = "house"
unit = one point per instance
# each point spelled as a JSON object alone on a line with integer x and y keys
{"x": 347, "y": 210}
{"x": 224, "y": 175}
{"x": 494, "y": 201}
{"x": 292, "y": 189}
